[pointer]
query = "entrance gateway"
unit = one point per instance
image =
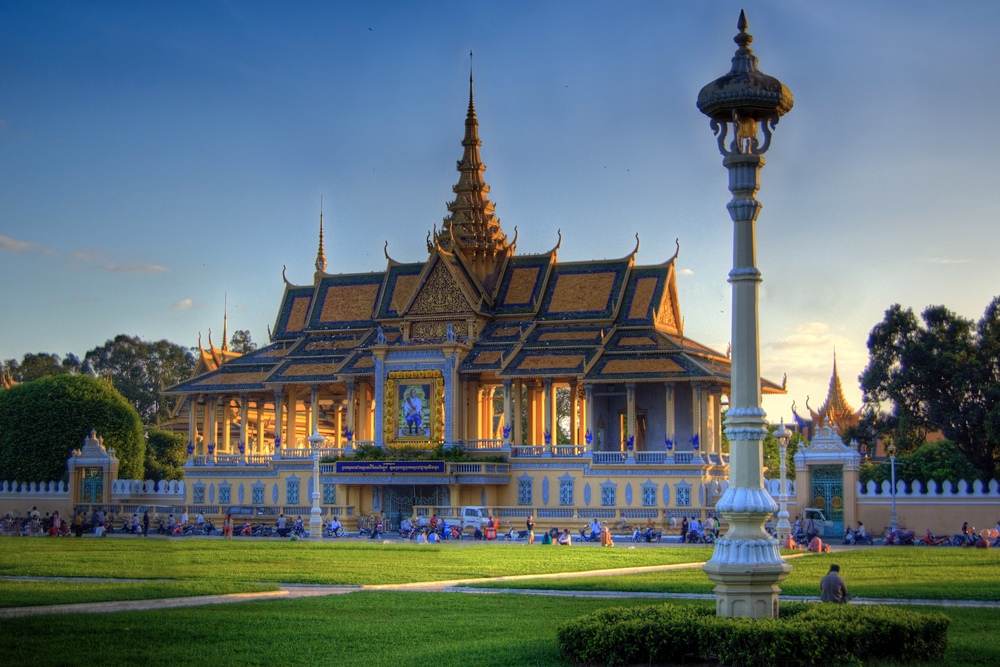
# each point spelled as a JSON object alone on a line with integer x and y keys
{"x": 398, "y": 500}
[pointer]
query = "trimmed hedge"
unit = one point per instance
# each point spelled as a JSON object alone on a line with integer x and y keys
{"x": 806, "y": 634}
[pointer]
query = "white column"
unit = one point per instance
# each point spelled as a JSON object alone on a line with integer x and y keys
{"x": 671, "y": 419}
{"x": 630, "y": 418}
{"x": 588, "y": 391}
{"x": 313, "y": 409}
{"x": 279, "y": 423}
{"x": 244, "y": 410}
{"x": 192, "y": 422}
{"x": 508, "y": 414}
{"x": 212, "y": 404}
{"x": 574, "y": 421}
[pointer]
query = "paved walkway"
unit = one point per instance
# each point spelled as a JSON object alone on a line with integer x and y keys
{"x": 295, "y": 591}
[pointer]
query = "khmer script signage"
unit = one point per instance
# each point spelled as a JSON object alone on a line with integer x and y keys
{"x": 390, "y": 467}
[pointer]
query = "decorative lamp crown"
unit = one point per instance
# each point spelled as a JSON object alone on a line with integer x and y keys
{"x": 745, "y": 90}
{"x": 745, "y": 96}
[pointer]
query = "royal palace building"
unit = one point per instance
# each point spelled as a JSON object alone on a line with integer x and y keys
{"x": 569, "y": 386}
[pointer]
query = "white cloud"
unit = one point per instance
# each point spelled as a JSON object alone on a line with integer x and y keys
{"x": 182, "y": 305}
{"x": 13, "y": 245}
{"x": 944, "y": 260}
{"x": 134, "y": 268}
{"x": 685, "y": 272}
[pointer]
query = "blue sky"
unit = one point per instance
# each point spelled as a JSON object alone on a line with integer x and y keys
{"x": 156, "y": 157}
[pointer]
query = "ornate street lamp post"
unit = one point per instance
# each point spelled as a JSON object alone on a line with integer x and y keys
{"x": 891, "y": 449}
{"x": 783, "y": 527}
{"x": 315, "y": 522}
{"x": 747, "y": 565}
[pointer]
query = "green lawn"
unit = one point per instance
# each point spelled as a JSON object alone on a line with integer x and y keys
{"x": 330, "y": 562}
{"x": 365, "y": 628}
{"x": 29, "y": 593}
{"x": 397, "y": 628}
{"x": 891, "y": 572}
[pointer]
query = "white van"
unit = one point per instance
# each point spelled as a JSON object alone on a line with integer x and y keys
{"x": 475, "y": 517}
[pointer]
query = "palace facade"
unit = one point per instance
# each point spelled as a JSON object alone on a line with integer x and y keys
{"x": 569, "y": 385}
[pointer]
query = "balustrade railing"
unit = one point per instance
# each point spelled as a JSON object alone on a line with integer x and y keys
{"x": 651, "y": 457}
{"x": 609, "y": 457}
{"x": 484, "y": 445}
{"x": 569, "y": 451}
{"x": 528, "y": 451}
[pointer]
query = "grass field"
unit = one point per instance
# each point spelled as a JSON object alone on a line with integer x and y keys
{"x": 366, "y": 628}
{"x": 330, "y": 562}
{"x": 29, "y": 593}
{"x": 403, "y": 628}
{"x": 900, "y": 573}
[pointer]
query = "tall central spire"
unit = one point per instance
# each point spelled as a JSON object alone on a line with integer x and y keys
{"x": 321, "y": 252}
{"x": 471, "y": 228}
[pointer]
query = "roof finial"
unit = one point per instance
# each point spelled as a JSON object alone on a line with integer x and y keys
{"x": 225, "y": 321}
{"x": 321, "y": 254}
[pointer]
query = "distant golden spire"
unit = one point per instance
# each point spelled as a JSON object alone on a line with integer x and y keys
{"x": 320, "y": 254}
{"x": 471, "y": 228}
{"x": 225, "y": 323}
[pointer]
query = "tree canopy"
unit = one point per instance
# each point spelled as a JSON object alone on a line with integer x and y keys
{"x": 241, "y": 342}
{"x": 939, "y": 372}
{"x": 42, "y": 422}
{"x": 166, "y": 454}
{"x": 140, "y": 370}
{"x": 36, "y": 366}
{"x": 939, "y": 461}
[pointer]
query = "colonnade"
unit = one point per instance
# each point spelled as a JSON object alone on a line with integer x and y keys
{"x": 490, "y": 412}
{"x": 282, "y": 419}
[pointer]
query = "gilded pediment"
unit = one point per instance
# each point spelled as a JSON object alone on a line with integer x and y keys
{"x": 440, "y": 294}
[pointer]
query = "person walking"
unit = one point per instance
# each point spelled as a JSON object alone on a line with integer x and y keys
{"x": 531, "y": 529}
{"x": 145, "y": 523}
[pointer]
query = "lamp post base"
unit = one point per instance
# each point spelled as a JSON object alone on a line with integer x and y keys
{"x": 742, "y": 590}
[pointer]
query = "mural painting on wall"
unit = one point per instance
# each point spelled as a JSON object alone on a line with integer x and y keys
{"x": 415, "y": 402}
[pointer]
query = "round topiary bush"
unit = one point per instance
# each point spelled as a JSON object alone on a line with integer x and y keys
{"x": 42, "y": 422}
{"x": 806, "y": 634}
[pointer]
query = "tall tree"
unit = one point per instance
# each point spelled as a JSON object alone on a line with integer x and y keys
{"x": 940, "y": 372}
{"x": 41, "y": 365}
{"x": 140, "y": 370}
{"x": 166, "y": 454}
{"x": 41, "y": 422}
{"x": 241, "y": 342}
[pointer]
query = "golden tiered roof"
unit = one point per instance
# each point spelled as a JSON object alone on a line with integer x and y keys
{"x": 472, "y": 230}
{"x": 835, "y": 410}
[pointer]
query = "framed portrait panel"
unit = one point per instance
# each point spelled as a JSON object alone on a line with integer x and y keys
{"x": 413, "y": 407}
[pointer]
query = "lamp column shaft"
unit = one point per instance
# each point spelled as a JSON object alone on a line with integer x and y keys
{"x": 783, "y": 527}
{"x": 747, "y": 565}
{"x": 893, "y": 526}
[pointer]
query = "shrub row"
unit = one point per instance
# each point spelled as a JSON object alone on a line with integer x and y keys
{"x": 806, "y": 634}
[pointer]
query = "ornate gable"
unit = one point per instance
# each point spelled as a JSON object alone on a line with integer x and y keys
{"x": 439, "y": 295}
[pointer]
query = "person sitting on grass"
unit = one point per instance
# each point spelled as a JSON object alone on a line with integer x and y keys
{"x": 833, "y": 588}
{"x": 565, "y": 539}
{"x": 433, "y": 538}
